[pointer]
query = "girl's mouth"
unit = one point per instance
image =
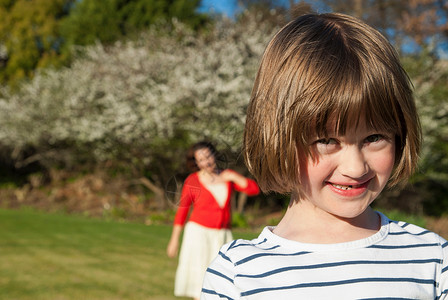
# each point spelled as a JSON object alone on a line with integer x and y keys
{"x": 346, "y": 187}
{"x": 349, "y": 190}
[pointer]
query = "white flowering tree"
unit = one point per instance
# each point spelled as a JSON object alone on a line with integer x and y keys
{"x": 430, "y": 78}
{"x": 138, "y": 102}
{"x": 141, "y": 103}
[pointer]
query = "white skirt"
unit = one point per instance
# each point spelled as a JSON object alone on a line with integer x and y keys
{"x": 200, "y": 245}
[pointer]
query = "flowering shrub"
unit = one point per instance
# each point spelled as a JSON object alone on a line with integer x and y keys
{"x": 139, "y": 102}
{"x": 430, "y": 79}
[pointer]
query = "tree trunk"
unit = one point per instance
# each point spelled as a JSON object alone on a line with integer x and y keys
{"x": 358, "y": 11}
{"x": 158, "y": 192}
{"x": 242, "y": 198}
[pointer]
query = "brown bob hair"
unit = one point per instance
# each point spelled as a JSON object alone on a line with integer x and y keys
{"x": 320, "y": 68}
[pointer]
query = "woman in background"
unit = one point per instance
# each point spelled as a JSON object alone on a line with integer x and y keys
{"x": 208, "y": 191}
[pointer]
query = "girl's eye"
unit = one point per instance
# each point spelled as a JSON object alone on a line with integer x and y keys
{"x": 328, "y": 141}
{"x": 326, "y": 145}
{"x": 374, "y": 138}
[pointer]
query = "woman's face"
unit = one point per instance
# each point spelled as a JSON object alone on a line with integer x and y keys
{"x": 205, "y": 160}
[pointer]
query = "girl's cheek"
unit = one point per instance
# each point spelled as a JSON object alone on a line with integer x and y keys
{"x": 384, "y": 161}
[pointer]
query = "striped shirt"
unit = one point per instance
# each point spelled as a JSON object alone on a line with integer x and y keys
{"x": 400, "y": 261}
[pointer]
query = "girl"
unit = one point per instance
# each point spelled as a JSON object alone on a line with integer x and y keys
{"x": 332, "y": 121}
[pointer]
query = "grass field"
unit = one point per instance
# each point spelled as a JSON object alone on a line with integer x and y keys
{"x": 56, "y": 256}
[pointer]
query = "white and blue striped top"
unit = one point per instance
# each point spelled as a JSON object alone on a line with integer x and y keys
{"x": 401, "y": 261}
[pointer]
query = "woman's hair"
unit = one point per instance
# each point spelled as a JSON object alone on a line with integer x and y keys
{"x": 320, "y": 68}
{"x": 190, "y": 159}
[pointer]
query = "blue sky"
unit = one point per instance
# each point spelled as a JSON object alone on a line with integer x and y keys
{"x": 230, "y": 7}
{"x": 226, "y": 7}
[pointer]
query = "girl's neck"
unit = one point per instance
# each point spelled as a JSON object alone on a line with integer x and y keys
{"x": 300, "y": 225}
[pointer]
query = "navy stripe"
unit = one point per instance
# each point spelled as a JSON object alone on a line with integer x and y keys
{"x": 262, "y": 242}
{"x": 272, "y": 248}
{"x": 445, "y": 269}
{"x": 444, "y": 245}
{"x": 219, "y": 274}
{"x": 205, "y": 291}
{"x": 407, "y": 232}
{"x": 240, "y": 245}
{"x": 399, "y": 223}
{"x": 329, "y": 265}
{"x": 231, "y": 245}
{"x": 389, "y": 298}
{"x": 224, "y": 256}
{"x": 398, "y": 233}
{"x": 443, "y": 293}
{"x": 247, "y": 244}
{"x": 404, "y": 225}
{"x": 334, "y": 283}
{"x": 252, "y": 245}
{"x": 249, "y": 258}
{"x": 403, "y": 246}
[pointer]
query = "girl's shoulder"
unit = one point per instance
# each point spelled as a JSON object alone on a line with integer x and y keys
{"x": 414, "y": 233}
{"x": 404, "y": 235}
{"x": 242, "y": 250}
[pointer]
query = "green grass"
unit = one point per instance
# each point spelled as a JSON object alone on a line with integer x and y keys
{"x": 397, "y": 215}
{"x": 56, "y": 256}
{"x": 64, "y": 257}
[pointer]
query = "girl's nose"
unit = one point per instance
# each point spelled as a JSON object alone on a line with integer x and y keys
{"x": 352, "y": 163}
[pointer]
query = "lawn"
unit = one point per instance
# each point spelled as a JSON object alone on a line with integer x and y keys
{"x": 57, "y": 256}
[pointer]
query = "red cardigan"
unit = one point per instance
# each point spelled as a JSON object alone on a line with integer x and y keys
{"x": 206, "y": 210}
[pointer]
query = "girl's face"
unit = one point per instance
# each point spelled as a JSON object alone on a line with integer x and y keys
{"x": 205, "y": 160}
{"x": 348, "y": 171}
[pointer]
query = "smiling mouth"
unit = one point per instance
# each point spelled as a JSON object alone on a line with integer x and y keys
{"x": 347, "y": 187}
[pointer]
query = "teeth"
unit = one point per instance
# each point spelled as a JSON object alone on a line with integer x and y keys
{"x": 343, "y": 187}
